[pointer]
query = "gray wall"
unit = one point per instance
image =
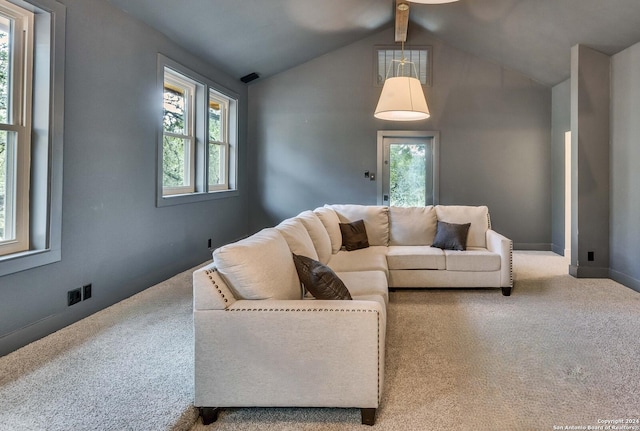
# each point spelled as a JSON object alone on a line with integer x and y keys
{"x": 312, "y": 135}
{"x": 113, "y": 236}
{"x": 590, "y": 134}
{"x": 560, "y": 123}
{"x": 625, "y": 175}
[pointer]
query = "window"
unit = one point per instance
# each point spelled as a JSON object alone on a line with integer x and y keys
{"x": 218, "y": 141}
{"x": 178, "y": 140}
{"x": 32, "y": 48}
{"x": 16, "y": 32}
{"x": 199, "y": 137}
{"x": 386, "y": 67}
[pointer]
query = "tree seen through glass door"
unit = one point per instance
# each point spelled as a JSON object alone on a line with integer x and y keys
{"x": 407, "y": 174}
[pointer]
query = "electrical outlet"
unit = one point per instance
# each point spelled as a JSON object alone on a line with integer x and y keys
{"x": 591, "y": 256}
{"x": 74, "y": 296}
{"x": 209, "y": 243}
{"x": 86, "y": 291}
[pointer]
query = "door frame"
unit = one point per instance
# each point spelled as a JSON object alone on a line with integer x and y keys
{"x": 426, "y": 134}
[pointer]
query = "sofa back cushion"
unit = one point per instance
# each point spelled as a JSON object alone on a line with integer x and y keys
{"x": 297, "y": 237}
{"x": 259, "y": 267}
{"x": 412, "y": 225}
{"x": 331, "y": 223}
{"x": 318, "y": 234}
{"x": 375, "y": 217}
{"x": 478, "y": 216}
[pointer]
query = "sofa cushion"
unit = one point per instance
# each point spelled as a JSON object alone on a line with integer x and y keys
{"x": 415, "y": 257}
{"x": 297, "y": 237}
{"x": 354, "y": 235}
{"x": 477, "y": 216}
{"x": 473, "y": 259}
{"x": 318, "y": 234}
{"x": 367, "y": 259}
{"x": 330, "y": 220}
{"x": 319, "y": 279}
{"x": 412, "y": 225}
{"x": 259, "y": 267}
{"x": 376, "y": 220}
{"x": 366, "y": 283}
{"x": 451, "y": 236}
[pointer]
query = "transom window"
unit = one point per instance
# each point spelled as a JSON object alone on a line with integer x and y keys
{"x": 199, "y": 137}
{"x": 420, "y": 56}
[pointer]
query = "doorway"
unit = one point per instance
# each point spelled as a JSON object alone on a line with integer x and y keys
{"x": 408, "y": 163}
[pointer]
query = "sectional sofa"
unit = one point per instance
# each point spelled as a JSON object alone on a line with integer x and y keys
{"x": 262, "y": 341}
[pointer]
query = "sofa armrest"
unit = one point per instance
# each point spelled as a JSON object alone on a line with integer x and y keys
{"x": 502, "y": 245}
{"x": 210, "y": 291}
{"x": 303, "y": 353}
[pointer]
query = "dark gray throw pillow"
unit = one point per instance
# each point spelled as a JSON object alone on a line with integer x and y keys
{"x": 451, "y": 236}
{"x": 354, "y": 235}
{"x": 319, "y": 279}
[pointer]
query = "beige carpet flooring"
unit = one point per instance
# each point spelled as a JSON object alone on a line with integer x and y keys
{"x": 559, "y": 352}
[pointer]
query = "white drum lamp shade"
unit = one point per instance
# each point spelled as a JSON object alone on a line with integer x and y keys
{"x": 402, "y": 99}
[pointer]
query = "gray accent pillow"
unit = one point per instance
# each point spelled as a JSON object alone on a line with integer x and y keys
{"x": 354, "y": 235}
{"x": 319, "y": 279}
{"x": 451, "y": 236}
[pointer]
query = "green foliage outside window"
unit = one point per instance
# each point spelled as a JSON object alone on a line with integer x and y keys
{"x": 216, "y": 155}
{"x": 407, "y": 172}
{"x": 216, "y": 151}
{"x": 173, "y": 149}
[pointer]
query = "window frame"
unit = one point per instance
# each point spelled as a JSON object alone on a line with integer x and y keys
{"x": 224, "y": 142}
{"x": 189, "y": 87}
{"x": 435, "y": 168}
{"x": 429, "y": 62}
{"x": 46, "y": 114}
{"x": 203, "y": 87}
{"x": 18, "y": 125}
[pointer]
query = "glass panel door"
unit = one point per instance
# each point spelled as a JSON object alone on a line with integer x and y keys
{"x": 408, "y": 175}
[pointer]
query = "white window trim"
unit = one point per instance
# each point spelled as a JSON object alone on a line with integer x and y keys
{"x": 47, "y": 163}
{"x": 19, "y": 125}
{"x": 202, "y": 192}
{"x": 178, "y": 80}
{"x": 225, "y": 125}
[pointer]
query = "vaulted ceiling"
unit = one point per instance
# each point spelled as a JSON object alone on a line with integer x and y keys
{"x": 268, "y": 36}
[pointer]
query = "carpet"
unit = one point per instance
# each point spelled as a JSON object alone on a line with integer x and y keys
{"x": 559, "y": 352}
{"x": 128, "y": 367}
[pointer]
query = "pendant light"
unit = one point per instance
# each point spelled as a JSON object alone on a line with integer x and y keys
{"x": 402, "y": 98}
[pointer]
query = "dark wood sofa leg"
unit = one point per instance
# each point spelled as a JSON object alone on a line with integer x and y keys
{"x": 209, "y": 414}
{"x": 368, "y": 416}
{"x": 506, "y": 291}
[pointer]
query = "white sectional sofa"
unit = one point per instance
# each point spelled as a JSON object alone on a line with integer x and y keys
{"x": 261, "y": 342}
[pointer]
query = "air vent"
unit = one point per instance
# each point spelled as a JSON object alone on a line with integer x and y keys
{"x": 250, "y": 77}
